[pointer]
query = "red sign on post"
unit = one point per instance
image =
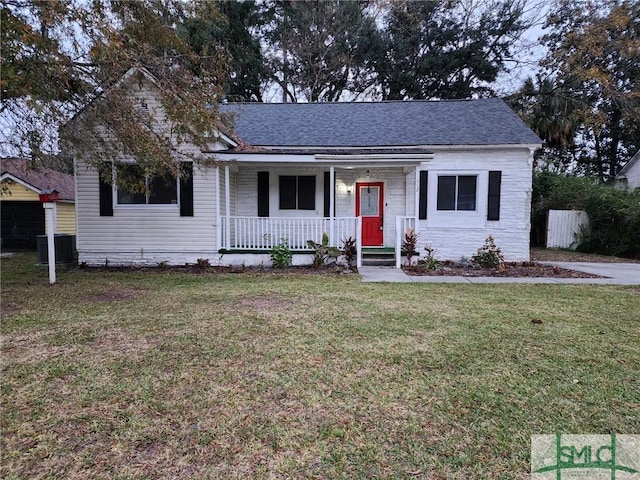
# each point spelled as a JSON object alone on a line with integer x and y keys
{"x": 49, "y": 196}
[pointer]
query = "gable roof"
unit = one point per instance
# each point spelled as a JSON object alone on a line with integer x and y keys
{"x": 139, "y": 74}
{"x": 361, "y": 124}
{"x": 40, "y": 179}
{"x": 635, "y": 159}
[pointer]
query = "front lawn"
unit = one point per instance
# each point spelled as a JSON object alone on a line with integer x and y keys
{"x": 129, "y": 374}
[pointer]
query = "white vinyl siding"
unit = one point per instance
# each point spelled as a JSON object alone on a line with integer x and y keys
{"x": 137, "y": 232}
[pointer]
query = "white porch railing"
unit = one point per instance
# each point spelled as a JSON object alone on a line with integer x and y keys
{"x": 402, "y": 225}
{"x": 263, "y": 233}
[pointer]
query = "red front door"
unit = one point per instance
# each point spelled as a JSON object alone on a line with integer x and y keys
{"x": 369, "y": 206}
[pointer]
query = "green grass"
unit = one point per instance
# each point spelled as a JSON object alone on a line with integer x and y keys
{"x": 130, "y": 374}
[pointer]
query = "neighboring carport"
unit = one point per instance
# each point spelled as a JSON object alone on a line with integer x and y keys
{"x": 21, "y": 223}
{"x": 22, "y": 217}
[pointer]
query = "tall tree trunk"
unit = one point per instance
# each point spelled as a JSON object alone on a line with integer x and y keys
{"x": 616, "y": 118}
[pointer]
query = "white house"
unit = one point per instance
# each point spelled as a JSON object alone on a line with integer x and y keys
{"x": 455, "y": 171}
{"x": 629, "y": 175}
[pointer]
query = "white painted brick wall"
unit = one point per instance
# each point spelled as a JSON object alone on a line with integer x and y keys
{"x": 453, "y": 238}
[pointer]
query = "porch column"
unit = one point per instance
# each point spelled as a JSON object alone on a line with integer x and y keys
{"x": 332, "y": 205}
{"x": 399, "y": 234}
{"x": 218, "y": 198}
{"x": 416, "y": 197}
{"x": 227, "y": 206}
{"x": 358, "y": 242}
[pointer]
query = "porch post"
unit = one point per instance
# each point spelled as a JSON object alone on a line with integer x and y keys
{"x": 398, "y": 242}
{"x": 227, "y": 206}
{"x": 358, "y": 242}
{"x": 218, "y": 222}
{"x": 332, "y": 205}
{"x": 416, "y": 198}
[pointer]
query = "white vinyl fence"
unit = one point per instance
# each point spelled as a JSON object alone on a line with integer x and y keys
{"x": 563, "y": 227}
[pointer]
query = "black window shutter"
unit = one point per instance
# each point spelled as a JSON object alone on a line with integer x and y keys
{"x": 186, "y": 191}
{"x": 327, "y": 194}
{"x": 263, "y": 194}
{"x": 422, "y": 205}
{"x": 106, "y": 198}
{"x": 493, "y": 202}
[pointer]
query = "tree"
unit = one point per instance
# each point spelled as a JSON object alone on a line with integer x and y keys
{"x": 553, "y": 112}
{"x": 447, "y": 49}
{"x": 594, "y": 49}
{"x": 320, "y": 51}
{"x": 233, "y": 28}
{"x": 62, "y": 56}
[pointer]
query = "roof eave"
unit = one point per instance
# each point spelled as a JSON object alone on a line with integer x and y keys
{"x": 635, "y": 159}
{"x": 278, "y": 149}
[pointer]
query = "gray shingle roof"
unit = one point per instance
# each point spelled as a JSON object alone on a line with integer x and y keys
{"x": 452, "y": 122}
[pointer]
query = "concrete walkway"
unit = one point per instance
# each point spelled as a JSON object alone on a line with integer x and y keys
{"x": 616, "y": 273}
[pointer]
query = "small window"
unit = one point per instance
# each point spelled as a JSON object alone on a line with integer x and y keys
{"x": 146, "y": 190}
{"x": 457, "y": 192}
{"x": 297, "y": 192}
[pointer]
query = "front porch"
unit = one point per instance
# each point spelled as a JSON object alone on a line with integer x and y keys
{"x": 370, "y": 198}
{"x": 258, "y": 235}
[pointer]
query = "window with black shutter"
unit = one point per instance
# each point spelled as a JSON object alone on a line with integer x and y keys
{"x": 297, "y": 192}
{"x": 145, "y": 190}
{"x": 457, "y": 192}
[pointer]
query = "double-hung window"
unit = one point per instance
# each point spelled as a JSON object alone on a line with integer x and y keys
{"x": 144, "y": 190}
{"x": 297, "y": 192}
{"x": 457, "y": 192}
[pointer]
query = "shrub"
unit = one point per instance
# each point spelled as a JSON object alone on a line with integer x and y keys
{"x": 281, "y": 255}
{"x": 322, "y": 251}
{"x": 202, "y": 263}
{"x": 464, "y": 262}
{"x": 430, "y": 261}
{"x": 614, "y": 222}
{"x": 409, "y": 243}
{"x": 349, "y": 250}
{"x": 488, "y": 256}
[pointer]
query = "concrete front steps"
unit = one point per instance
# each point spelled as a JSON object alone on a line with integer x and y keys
{"x": 378, "y": 256}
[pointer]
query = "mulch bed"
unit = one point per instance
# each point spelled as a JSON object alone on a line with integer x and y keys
{"x": 447, "y": 269}
{"x": 330, "y": 269}
{"x": 512, "y": 269}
